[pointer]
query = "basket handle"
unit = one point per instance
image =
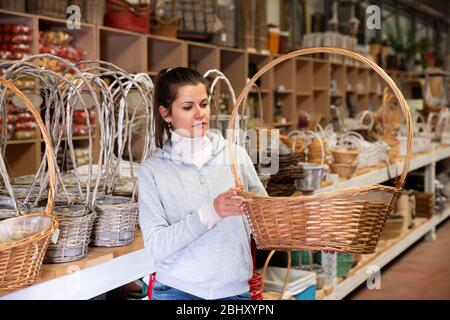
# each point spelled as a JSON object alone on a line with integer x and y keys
{"x": 301, "y": 52}
{"x": 48, "y": 143}
{"x": 286, "y": 277}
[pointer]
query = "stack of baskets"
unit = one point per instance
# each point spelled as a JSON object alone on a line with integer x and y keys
{"x": 283, "y": 182}
{"x": 344, "y": 159}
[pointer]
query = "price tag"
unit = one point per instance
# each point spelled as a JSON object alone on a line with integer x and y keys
{"x": 55, "y": 236}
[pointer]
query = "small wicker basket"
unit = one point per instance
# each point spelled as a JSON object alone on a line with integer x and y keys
{"x": 349, "y": 220}
{"x": 116, "y": 222}
{"x": 344, "y": 170}
{"x": 22, "y": 253}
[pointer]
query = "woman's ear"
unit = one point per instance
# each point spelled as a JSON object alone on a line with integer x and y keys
{"x": 165, "y": 114}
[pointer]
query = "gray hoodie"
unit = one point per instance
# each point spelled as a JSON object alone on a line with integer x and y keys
{"x": 213, "y": 263}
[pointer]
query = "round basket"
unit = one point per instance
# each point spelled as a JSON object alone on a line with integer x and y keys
{"x": 75, "y": 227}
{"x": 24, "y": 239}
{"x": 116, "y": 222}
{"x": 349, "y": 220}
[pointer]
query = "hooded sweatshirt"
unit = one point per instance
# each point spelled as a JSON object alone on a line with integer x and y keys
{"x": 208, "y": 262}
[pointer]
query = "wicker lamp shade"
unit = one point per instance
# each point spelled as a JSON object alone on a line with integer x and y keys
{"x": 22, "y": 250}
{"x": 349, "y": 220}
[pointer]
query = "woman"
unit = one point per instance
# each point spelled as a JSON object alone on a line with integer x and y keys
{"x": 190, "y": 216}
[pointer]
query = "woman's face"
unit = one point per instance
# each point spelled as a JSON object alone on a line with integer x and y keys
{"x": 190, "y": 111}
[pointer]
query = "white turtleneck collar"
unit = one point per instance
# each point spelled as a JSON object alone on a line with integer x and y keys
{"x": 192, "y": 150}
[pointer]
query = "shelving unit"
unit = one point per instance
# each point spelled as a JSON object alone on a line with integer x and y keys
{"x": 107, "y": 268}
{"x": 120, "y": 48}
{"x": 306, "y": 82}
{"x": 165, "y": 53}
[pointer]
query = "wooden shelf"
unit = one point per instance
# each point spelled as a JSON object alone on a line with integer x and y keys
{"x": 129, "y": 43}
{"x": 284, "y": 92}
{"x": 321, "y": 74}
{"x": 25, "y": 141}
{"x": 263, "y": 91}
{"x": 287, "y": 124}
{"x": 257, "y": 61}
{"x": 85, "y": 37}
{"x": 233, "y": 64}
{"x": 299, "y": 94}
{"x": 165, "y": 53}
{"x": 303, "y": 75}
{"x": 202, "y": 57}
{"x": 284, "y": 76}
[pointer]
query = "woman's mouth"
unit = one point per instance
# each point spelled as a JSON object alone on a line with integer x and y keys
{"x": 202, "y": 124}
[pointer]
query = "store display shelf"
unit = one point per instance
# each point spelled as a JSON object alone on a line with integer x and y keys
{"x": 107, "y": 268}
{"x": 104, "y": 269}
{"x": 380, "y": 175}
{"x": 25, "y": 141}
{"x": 352, "y": 282}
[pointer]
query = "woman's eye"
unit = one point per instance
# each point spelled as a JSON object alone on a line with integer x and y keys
{"x": 187, "y": 108}
{"x": 205, "y": 105}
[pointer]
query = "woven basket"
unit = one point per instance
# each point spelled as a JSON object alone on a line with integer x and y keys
{"x": 343, "y": 156}
{"x": 21, "y": 254}
{"x": 52, "y": 8}
{"x": 75, "y": 227}
{"x": 349, "y": 220}
{"x": 344, "y": 170}
{"x": 116, "y": 222}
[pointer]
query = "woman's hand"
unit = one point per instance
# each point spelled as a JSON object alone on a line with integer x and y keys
{"x": 229, "y": 204}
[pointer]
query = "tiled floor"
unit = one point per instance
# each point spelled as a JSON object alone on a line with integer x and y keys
{"x": 422, "y": 272}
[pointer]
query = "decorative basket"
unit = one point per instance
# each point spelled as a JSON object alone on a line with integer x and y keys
{"x": 395, "y": 226}
{"x": 166, "y": 28}
{"x": 75, "y": 227}
{"x": 349, "y": 220}
{"x": 52, "y": 8}
{"x": 424, "y": 204}
{"x": 343, "y": 156}
{"x": 13, "y": 5}
{"x": 95, "y": 10}
{"x": 123, "y": 15}
{"x": 116, "y": 222}
{"x": 344, "y": 170}
{"x": 25, "y": 239}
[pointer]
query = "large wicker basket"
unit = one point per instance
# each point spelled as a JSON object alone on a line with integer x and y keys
{"x": 349, "y": 220}
{"x": 25, "y": 238}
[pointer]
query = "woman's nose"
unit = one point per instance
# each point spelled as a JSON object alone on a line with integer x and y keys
{"x": 199, "y": 112}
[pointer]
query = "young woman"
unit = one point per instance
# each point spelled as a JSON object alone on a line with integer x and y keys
{"x": 192, "y": 221}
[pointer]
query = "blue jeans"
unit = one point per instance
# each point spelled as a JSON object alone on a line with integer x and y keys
{"x": 164, "y": 292}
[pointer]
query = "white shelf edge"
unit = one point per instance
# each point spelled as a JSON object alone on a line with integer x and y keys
{"x": 381, "y": 175}
{"x": 354, "y": 281}
{"x": 89, "y": 282}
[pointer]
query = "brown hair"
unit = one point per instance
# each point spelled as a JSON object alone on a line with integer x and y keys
{"x": 167, "y": 83}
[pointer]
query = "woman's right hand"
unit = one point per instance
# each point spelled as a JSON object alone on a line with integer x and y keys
{"x": 229, "y": 204}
